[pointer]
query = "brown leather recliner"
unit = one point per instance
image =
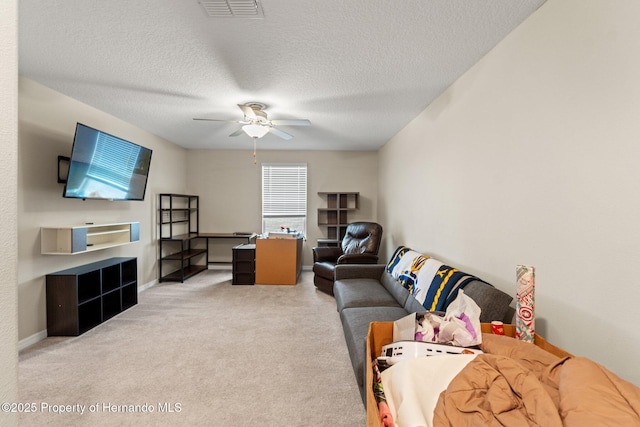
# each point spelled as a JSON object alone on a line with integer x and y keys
{"x": 360, "y": 245}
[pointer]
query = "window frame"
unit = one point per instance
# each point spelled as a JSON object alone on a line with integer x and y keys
{"x": 274, "y": 204}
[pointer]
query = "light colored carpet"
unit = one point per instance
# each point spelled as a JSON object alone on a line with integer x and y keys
{"x": 201, "y": 353}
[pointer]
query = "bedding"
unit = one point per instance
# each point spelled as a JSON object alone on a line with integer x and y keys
{"x": 519, "y": 384}
{"x": 412, "y": 387}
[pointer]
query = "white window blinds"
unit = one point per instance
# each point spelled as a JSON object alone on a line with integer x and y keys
{"x": 284, "y": 196}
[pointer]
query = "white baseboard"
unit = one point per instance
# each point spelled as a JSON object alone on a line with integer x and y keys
{"x": 37, "y": 337}
{"x": 147, "y": 285}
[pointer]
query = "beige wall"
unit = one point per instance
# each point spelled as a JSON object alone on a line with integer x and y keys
{"x": 8, "y": 210}
{"x": 531, "y": 158}
{"x": 229, "y": 186}
{"x": 47, "y": 122}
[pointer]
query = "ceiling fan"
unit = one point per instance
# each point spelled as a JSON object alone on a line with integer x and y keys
{"x": 256, "y": 124}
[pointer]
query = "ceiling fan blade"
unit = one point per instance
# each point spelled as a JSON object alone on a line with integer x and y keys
{"x": 280, "y": 133}
{"x": 291, "y": 122}
{"x": 248, "y": 111}
{"x": 238, "y": 132}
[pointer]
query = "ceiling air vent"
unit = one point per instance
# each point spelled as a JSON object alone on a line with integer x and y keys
{"x": 248, "y": 9}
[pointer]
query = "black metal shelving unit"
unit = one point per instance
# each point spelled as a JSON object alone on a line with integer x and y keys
{"x": 181, "y": 248}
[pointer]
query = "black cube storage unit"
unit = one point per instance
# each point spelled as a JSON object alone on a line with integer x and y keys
{"x": 82, "y": 297}
{"x": 244, "y": 264}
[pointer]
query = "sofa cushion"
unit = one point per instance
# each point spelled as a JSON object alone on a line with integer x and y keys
{"x": 400, "y": 294}
{"x": 355, "y": 323}
{"x": 362, "y": 293}
{"x": 493, "y": 302}
{"x": 358, "y": 271}
{"x": 412, "y": 305}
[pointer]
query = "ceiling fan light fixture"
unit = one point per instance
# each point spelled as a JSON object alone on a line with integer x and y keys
{"x": 255, "y": 131}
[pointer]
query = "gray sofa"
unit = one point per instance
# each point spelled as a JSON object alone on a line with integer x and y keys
{"x": 368, "y": 293}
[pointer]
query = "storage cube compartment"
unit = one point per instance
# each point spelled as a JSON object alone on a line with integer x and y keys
{"x": 129, "y": 295}
{"x": 322, "y": 217}
{"x": 129, "y": 272}
{"x": 332, "y": 217}
{"x": 89, "y": 315}
{"x": 332, "y": 201}
{"x": 88, "y": 286}
{"x": 349, "y": 201}
{"x": 342, "y": 220}
{"x": 342, "y": 231}
{"x": 332, "y": 233}
{"x": 110, "y": 278}
{"x": 60, "y": 240}
{"x": 111, "y": 304}
{"x": 343, "y": 200}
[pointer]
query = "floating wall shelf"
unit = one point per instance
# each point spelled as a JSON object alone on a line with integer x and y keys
{"x": 73, "y": 240}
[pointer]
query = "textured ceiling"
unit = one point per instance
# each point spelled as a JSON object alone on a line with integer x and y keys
{"x": 360, "y": 70}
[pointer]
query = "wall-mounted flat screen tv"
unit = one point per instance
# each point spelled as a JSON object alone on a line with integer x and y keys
{"x": 103, "y": 166}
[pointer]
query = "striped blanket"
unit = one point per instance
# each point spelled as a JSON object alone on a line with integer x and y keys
{"x": 431, "y": 282}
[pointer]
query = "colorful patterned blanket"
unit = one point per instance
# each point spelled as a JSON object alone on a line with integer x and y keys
{"x": 431, "y": 282}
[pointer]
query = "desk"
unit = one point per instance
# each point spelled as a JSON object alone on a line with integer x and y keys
{"x": 247, "y": 237}
{"x": 278, "y": 261}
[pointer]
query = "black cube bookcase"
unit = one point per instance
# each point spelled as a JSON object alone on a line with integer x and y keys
{"x": 82, "y": 297}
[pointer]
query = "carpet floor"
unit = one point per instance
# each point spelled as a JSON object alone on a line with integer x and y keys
{"x": 199, "y": 353}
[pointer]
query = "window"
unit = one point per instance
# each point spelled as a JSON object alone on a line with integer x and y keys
{"x": 284, "y": 196}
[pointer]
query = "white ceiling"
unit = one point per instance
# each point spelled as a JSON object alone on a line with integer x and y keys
{"x": 360, "y": 70}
